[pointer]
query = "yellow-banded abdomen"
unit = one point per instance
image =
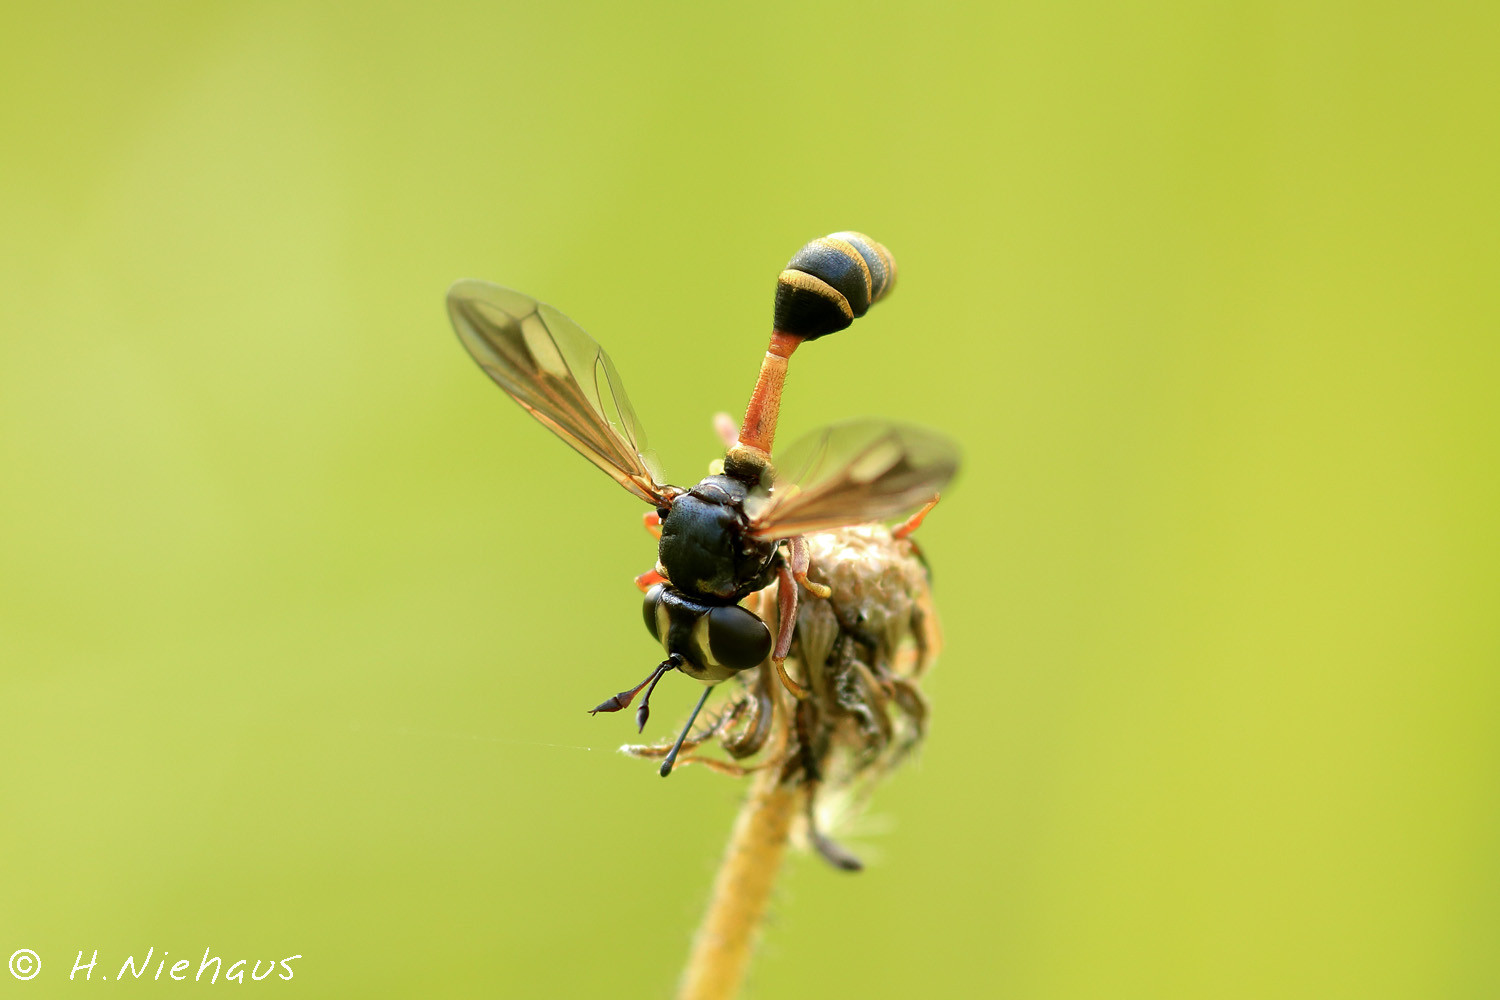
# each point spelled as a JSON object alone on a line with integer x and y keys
{"x": 830, "y": 282}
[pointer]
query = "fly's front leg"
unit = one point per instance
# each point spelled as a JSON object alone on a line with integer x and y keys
{"x": 801, "y": 558}
{"x": 786, "y": 602}
{"x": 650, "y": 578}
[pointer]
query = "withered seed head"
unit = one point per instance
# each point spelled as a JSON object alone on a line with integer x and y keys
{"x": 861, "y": 654}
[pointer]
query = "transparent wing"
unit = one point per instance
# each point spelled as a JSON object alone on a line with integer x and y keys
{"x": 560, "y": 375}
{"x": 853, "y": 473}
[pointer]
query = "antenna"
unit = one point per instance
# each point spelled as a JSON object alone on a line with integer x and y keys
{"x": 624, "y": 698}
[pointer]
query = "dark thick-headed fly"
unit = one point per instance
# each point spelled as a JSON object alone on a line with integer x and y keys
{"x": 742, "y": 530}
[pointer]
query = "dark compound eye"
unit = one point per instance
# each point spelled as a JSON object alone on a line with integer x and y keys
{"x": 737, "y": 639}
{"x": 653, "y": 601}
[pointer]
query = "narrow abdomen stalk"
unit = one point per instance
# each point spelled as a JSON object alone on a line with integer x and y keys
{"x": 827, "y": 285}
{"x": 759, "y": 429}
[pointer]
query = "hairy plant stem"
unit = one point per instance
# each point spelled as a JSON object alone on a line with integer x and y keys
{"x": 742, "y": 890}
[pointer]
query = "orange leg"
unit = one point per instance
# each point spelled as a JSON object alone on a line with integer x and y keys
{"x": 651, "y": 578}
{"x": 786, "y": 600}
{"x": 800, "y": 559}
{"x": 915, "y": 521}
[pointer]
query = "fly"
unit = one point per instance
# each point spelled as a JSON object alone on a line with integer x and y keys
{"x": 746, "y": 528}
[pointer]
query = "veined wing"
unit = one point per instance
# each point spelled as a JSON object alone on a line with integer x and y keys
{"x": 853, "y": 473}
{"x": 545, "y": 362}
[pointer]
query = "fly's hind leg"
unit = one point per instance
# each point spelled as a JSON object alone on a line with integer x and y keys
{"x": 905, "y": 528}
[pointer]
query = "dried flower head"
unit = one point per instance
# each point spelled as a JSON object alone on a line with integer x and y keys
{"x": 860, "y": 654}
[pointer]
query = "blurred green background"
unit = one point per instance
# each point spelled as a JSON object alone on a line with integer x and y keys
{"x": 299, "y": 616}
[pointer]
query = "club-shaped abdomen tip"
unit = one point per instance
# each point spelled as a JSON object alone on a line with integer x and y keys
{"x": 830, "y": 282}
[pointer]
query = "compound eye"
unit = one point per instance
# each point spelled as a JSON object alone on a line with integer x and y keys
{"x": 737, "y": 638}
{"x": 653, "y": 601}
